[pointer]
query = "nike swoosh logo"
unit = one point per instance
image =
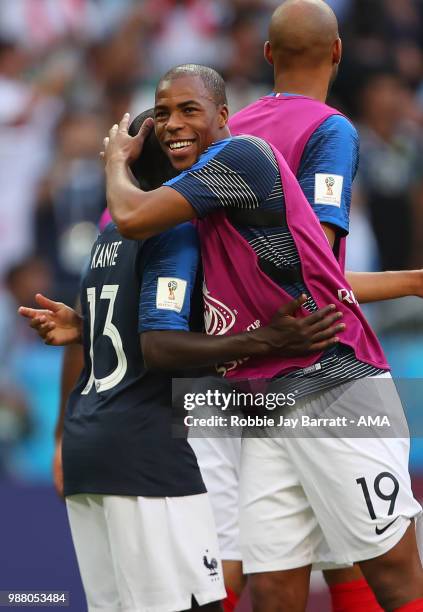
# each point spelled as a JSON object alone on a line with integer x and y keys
{"x": 380, "y": 531}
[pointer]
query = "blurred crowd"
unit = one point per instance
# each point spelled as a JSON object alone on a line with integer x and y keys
{"x": 69, "y": 69}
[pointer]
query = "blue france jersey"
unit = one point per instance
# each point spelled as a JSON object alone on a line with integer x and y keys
{"x": 118, "y": 424}
{"x": 167, "y": 260}
{"x": 333, "y": 150}
{"x": 242, "y": 172}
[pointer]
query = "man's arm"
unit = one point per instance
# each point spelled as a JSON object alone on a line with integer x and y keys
{"x": 73, "y": 362}
{"x": 333, "y": 152}
{"x": 285, "y": 335}
{"x": 235, "y": 173}
{"x": 59, "y": 325}
{"x": 168, "y": 269}
{"x": 139, "y": 214}
{"x": 377, "y": 286}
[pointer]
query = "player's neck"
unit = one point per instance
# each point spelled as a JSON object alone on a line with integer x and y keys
{"x": 221, "y": 134}
{"x": 302, "y": 83}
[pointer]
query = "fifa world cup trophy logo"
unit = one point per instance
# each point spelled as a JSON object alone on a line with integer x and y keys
{"x": 330, "y": 182}
{"x": 172, "y": 286}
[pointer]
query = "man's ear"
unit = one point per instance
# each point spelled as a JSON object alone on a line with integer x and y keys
{"x": 223, "y": 115}
{"x": 268, "y": 53}
{"x": 337, "y": 51}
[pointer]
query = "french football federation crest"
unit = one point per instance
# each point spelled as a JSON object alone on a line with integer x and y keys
{"x": 218, "y": 318}
{"x": 210, "y": 565}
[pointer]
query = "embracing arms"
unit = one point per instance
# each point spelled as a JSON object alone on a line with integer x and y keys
{"x": 285, "y": 335}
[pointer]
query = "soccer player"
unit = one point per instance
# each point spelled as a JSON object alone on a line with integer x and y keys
{"x": 140, "y": 520}
{"x": 244, "y": 175}
{"x": 321, "y": 148}
{"x": 139, "y": 515}
{"x": 320, "y": 145}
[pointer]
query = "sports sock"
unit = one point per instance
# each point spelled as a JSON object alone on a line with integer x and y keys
{"x": 229, "y": 604}
{"x": 412, "y": 606}
{"x": 355, "y": 596}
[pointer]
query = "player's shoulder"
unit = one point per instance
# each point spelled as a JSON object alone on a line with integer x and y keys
{"x": 337, "y": 126}
{"x": 246, "y": 140}
{"x": 231, "y": 152}
{"x": 183, "y": 236}
{"x": 333, "y": 147}
{"x": 251, "y": 147}
{"x": 182, "y": 233}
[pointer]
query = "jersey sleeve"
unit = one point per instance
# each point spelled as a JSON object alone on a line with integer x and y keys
{"x": 239, "y": 172}
{"x": 169, "y": 265}
{"x": 327, "y": 170}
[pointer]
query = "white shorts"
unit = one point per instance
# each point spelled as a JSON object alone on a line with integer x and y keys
{"x": 141, "y": 554}
{"x": 310, "y": 499}
{"x": 219, "y": 461}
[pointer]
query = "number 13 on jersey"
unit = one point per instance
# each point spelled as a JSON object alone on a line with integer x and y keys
{"x": 108, "y": 292}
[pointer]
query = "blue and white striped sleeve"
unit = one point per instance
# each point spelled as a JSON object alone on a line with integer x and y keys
{"x": 327, "y": 170}
{"x": 237, "y": 172}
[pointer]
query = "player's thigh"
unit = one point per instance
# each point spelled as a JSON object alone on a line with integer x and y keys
{"x": 359, "y": 488}
{"x": 278, "y": 528}
{"x": 396, "y": 576}
{"x": 91, "y": 541}
{"x": 219, "y": 462}
{"x": 165, "y": 551}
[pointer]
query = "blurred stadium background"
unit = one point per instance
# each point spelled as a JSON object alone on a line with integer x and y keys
{"x": 68, "y": 70}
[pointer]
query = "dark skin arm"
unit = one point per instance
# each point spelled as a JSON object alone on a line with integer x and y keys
{"x": 73, "y": 362}
{"x": 139, "y": 214}
{"x": 285, "y": 335}
{"x": 377, "y": 286}
{"x": 58, "y": 324}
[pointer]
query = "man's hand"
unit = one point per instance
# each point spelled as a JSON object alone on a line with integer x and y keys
{"x": 293, "y": 337}
{"x": 55, "y": 323}
{"x": 120, "y": 146}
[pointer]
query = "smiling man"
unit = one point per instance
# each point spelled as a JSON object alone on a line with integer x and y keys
{"x": 188, "y": 120}
{"x": 188, "y": 141}
{"x": 262, "y": 245}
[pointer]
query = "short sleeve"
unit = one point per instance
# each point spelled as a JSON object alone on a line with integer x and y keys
{"x": 237, "y": 172}
{"x": 327, "y": 170}
{"x": 169, "y": 265}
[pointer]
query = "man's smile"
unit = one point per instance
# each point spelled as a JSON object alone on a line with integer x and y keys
{"x": 179, "y": 144}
